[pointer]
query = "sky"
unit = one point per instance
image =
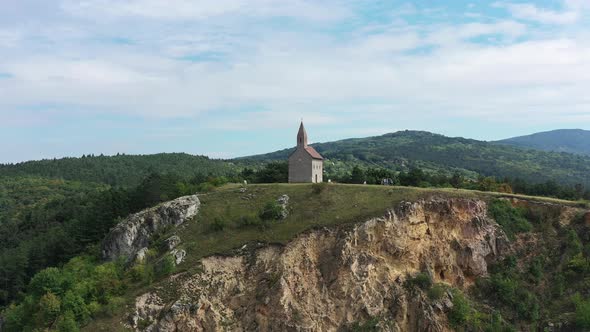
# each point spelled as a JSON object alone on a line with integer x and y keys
{"x": 228, "y": 78}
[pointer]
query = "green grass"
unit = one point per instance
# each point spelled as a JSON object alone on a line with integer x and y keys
{"x": 338, "y": 204}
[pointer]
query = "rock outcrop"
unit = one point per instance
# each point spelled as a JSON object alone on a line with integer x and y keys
{"x": 327, "y": 279}
{"x": 132, "y": 234}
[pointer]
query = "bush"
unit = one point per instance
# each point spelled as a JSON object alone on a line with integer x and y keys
{"x": 461, "y": 311}
{"x": 218, "y": 225}
{"x": 436, "y": 292}
{"x": 166, "y": 266}
{"x": 318, "y": 188}
{"x": 421, "y": 280}
{"x": 582, "y": 312}
{"x": 271, "y": 211}
{"x": 249, "y": 221}
{"x": 511, "y": 219}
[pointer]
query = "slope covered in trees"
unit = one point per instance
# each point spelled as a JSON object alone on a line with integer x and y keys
{"x": 119, "y": 170}
{"x": 407, "y": 149}
{"x": 562, "y": 140}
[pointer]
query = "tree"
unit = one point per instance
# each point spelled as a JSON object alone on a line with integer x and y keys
{"x": 357, "y": 175}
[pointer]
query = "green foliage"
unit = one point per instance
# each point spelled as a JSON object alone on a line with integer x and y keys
{"x": 421, "y": 280}
{"x": 512, "y": 220}
{"x": 120, "y": 170}
{"x": 271, "y": 211}
{"x": 166, "y": 266}
{"x": 48, "y": 309}
{"x": 582, "y": 312}
{"x": 371, "y": 325}
{"x": 318, "y": 188}
{"x": 218, "y": 224}
{"x": 461, "y": 312}
{"x": 67, "y": 323}
{"x": 69, "y": 296}
{"x": 437, "y": 291}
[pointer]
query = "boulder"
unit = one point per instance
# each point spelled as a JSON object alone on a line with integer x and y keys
{"x": 134, "y": 233}
{"x": 172, "y": 242}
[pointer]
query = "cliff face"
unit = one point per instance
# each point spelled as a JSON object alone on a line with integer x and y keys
{"x": 130, "y": 236}
{"x": 326, "y": 279}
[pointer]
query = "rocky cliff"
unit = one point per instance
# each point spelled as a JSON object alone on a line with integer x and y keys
{"x": 326, "y": 279}
{"x": 132, "y": 235}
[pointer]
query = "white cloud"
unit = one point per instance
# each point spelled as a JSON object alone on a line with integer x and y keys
{"x": 199, "y": 10}
{"x": 531, "y": 12}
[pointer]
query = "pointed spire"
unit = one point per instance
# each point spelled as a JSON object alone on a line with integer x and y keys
{"x": 301, "y": 136}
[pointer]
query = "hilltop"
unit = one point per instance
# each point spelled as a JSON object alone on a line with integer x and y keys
{"x": 344, "y": 256}
{"x": 562, "y": 140}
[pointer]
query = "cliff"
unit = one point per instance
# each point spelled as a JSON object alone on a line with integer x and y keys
{"x": 353, "y": 258}
{"x": 330, "y": 278}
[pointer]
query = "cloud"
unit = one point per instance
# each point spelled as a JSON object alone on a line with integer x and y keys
{"x": 530, "y": 12}
{"x": 192, "y": 10}
{"x": 236, "y": 65}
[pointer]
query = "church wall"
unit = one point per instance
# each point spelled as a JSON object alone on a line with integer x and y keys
{"x": 300, "y": 166}
{"x": 317, "y": 171}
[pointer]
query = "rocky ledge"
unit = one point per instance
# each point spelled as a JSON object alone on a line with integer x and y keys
{"x": 133, "y": 234}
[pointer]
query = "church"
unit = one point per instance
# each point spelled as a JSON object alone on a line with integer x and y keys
{"x": 305, "y": 163}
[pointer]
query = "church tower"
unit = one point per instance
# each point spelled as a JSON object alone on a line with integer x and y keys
{"x": 305, "y": 163}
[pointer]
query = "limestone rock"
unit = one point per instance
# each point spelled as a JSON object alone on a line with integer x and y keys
{"x": 329, "y": 278}
{"x": 172, "y": 242}
{"x": 283, "y": 200}
{"x": 178, "y": 255}
{"x": 140, "y": 256}
{"x": 134, "y": 233}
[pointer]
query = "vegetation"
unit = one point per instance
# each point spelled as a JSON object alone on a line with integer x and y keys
{"x": 404, "y": 150}
{"x": 563, "y": 140}
{"x": 55, "y": 226}
{"x": 120, "y": 170}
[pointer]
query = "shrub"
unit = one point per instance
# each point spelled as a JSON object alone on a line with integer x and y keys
{"x": 582, "y": 312}
{"x": 318, "y": 188}
{"x": 249, "y": 221}
{"x": 421, "y": 280}
{"x": 67, "y": 323}
{"x": 166, "y": 266}
{"x": 511, "y": 219}
{"x": 372, "y": 324}
{"x": 436, "y": 292}
{"x": 218, "y": 225}
{"x": 271, "y": 211}
{"x": 459, "y": 314}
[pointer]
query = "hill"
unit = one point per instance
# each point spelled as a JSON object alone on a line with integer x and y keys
{"x": 405, "y": 149}
{"x": 347, "y": 257}
{"x": 120, "y": 170}
{"x": 563, "y": 140}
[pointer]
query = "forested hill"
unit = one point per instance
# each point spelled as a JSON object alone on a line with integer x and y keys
{"x": 119, "y": 170}
{"x": 404, "y": 149}
{"x": 562, "y": 140}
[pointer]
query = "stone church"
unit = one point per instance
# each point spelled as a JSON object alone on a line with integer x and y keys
{"x": 305, "y": 163}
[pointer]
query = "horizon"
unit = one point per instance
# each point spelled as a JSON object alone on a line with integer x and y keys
{"x": 264, "y": 152}
{"x": 232, "y": 78}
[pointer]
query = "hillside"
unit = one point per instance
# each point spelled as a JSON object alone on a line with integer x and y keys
{"x": 405, "y": 149}
{"x": 119, "y": 170}
{"x": 346, "y": 257}
{"x": 563, "y": 140}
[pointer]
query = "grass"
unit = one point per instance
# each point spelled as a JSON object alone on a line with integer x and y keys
{"x": 335, "y": 205}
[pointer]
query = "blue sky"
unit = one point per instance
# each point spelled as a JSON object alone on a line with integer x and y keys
{"x": 230, "y": 78}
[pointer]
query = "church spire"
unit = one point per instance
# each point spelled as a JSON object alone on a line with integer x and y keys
{"x": 301, "y": 137}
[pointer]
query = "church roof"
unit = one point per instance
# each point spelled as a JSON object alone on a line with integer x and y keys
{"x": 313, "y": 153}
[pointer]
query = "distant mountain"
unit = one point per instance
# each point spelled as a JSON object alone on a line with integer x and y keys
{"x": 404, "y": 149}
{"x": 563, "y": 140}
